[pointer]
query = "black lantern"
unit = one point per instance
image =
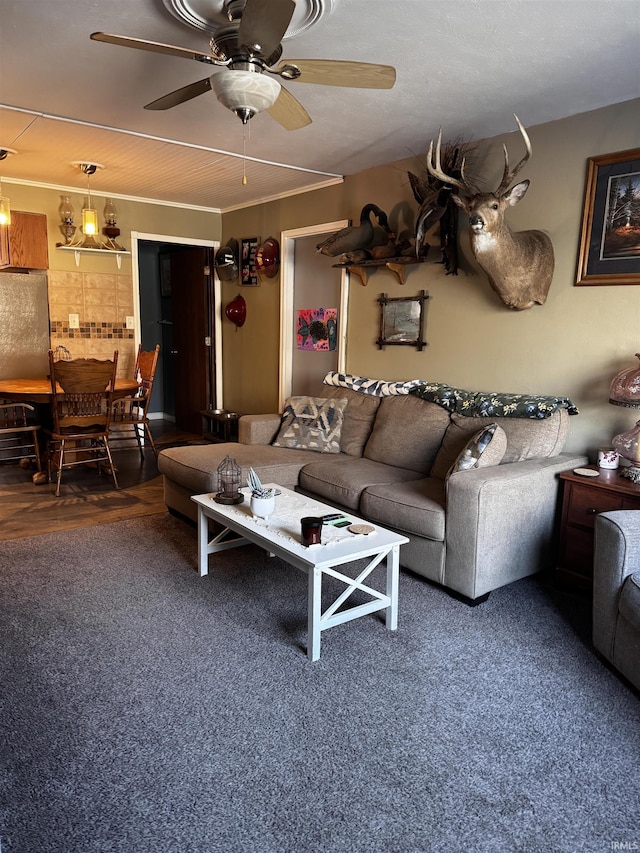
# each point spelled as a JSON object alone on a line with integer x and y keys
{"x": 229, "y": 478}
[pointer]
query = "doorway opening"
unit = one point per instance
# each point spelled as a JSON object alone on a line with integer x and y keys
{"x": 178, "y": 306}
{"x": 302, "y": 268}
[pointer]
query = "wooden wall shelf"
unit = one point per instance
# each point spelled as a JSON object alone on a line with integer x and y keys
{"x": 78, "y": 250}
{"x": 396, "y": 265}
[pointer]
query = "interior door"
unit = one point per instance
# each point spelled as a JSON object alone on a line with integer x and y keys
{"x": 191, "y": 297}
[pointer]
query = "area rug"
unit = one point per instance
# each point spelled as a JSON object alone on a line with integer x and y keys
{"x": 146, "y": 709}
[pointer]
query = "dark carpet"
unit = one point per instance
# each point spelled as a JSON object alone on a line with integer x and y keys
{"x": 145, "y": 709}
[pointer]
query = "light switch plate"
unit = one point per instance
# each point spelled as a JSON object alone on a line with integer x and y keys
{"x": 74, "y": 321}
{"x": 129, "y": 321}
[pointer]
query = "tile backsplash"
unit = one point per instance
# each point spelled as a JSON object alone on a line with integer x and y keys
{"x": 102, "y": 302}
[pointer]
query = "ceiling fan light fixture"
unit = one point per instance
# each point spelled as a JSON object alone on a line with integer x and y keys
{"x": 245, "y": 93}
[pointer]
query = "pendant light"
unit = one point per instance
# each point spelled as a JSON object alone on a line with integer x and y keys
{"x": 5, "y": 202}
{"x": 89, "y": 213}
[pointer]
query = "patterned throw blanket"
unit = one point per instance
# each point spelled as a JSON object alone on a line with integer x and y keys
{"x": 374, "y": 387}
{"x": 473, "y": 404}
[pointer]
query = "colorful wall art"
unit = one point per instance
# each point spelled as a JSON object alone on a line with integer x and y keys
{"x": 317, "y": 329}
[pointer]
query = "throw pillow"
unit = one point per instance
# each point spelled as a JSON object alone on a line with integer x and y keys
{"x": 311, "y": 423}
{"x": 484, "y": 449}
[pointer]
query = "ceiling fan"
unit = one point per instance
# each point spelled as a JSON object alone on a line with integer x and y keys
{"x": 246, "y": 49}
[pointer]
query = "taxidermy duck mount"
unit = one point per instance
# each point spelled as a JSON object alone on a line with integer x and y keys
{"x": 366, "y": 246}
{"x": 352, "y": 244}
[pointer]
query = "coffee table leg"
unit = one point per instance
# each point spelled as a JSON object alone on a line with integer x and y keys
{"x": 314, "y": 614}
{"x": 393, "y": 571}
{"x": 203, "y": 542}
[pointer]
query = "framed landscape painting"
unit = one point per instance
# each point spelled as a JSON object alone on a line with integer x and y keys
{"x": 610, "y": 236}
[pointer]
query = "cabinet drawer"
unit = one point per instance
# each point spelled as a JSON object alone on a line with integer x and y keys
{"x": 578, "y": 551}
{"x": 587, "y": 503}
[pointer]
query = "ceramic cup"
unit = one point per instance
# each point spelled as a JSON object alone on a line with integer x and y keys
{"x": 608, "y": 458}
{"x": 311, "y": 530}
{"x": 262, "y": 507}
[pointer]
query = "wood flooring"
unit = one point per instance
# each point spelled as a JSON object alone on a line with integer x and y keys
{"x": 87, "y": 498}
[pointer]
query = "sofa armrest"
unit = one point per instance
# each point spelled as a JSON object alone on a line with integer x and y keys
{"x": 258, "y": 429}
{"x": 500, "y": 522}
{"x": 616, "y": 555}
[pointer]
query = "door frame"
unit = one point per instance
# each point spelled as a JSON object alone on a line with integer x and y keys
{"x": 217, "y": 297}
{"x": 287, "y": 287}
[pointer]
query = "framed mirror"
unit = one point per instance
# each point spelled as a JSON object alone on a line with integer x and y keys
{"x": 402, "y": 321}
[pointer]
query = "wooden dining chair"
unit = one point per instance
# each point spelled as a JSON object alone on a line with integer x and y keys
{"x": 132, "y": 411}
{"x": 18, "y": 434}
{"x": 81, "y": 402}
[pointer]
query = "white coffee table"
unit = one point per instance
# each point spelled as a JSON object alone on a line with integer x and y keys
{"x": 280, "y": 535}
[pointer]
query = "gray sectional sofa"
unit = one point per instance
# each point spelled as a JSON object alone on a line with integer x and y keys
{"x": 471, "y": 531}
{"x": 616, "y": 591}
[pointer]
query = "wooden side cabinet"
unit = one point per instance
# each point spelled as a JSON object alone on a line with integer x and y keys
{"x": 23, "y": 244}
{"x": 583, "y": 498}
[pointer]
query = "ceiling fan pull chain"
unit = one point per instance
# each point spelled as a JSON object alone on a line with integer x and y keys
{"x": 244, "y": 160}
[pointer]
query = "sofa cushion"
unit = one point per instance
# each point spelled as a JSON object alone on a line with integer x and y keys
{"x": 484, "y": 449}
{"x": 358, "y": 418}
{"x": 345, "y": 482}
{"x": 407, "y": 433}
{"x": 311, "y": 423}
{"x": 415, "y": 507}
{"x": 195, "y": 467}
{"x": 527, "y": 438}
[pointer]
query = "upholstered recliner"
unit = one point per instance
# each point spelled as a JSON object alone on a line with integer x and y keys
{"x": 616, "y": 591}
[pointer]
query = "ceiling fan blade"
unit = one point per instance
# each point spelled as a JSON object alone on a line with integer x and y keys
{"x": 289, "y": 112}
{"x": 337, "y": 72}
{"x": 186, "y": 93}
{"x": 155, "y": 47}
{"x": 263, "y": 24}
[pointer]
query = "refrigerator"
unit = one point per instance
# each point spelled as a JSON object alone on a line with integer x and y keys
{"x": 24, "y": 325}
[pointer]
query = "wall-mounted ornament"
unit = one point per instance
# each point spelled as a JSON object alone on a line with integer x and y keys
{"x": 434, "y": 196}
{"x": 402, "y": 321}
{"x": 519, "y": 265}
{"x": 268, "y": 258}
{"x": 226, "y": 261}
{"x": 236, "y": 311}
{"x": 249, "y": 247}
{"x": 352, "y": 244}
{"x": 317, "y": 329}
{"x": 610, "y": 237}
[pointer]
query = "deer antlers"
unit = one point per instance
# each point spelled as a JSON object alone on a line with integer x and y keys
{"x": 508, "y": 176}
{"x": 435, "y": 169}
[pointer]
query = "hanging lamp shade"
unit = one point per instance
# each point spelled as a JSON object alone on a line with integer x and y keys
{"x": 89, "y": 221}
{"x": 5, "y": 211}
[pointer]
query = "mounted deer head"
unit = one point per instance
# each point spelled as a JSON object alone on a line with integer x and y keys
{"x": 519, "y": 264}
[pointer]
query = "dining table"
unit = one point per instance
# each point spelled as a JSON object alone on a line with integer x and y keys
{"x": 38, "y": 391}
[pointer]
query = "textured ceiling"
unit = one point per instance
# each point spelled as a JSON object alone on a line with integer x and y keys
{"x": 467, "y": 65}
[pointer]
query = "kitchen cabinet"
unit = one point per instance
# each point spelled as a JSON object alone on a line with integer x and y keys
{"x": 23, "y": 244}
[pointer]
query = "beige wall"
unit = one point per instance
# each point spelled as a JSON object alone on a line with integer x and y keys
{"x": 100, "y": 293}
{"x": 571, "y": 346}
